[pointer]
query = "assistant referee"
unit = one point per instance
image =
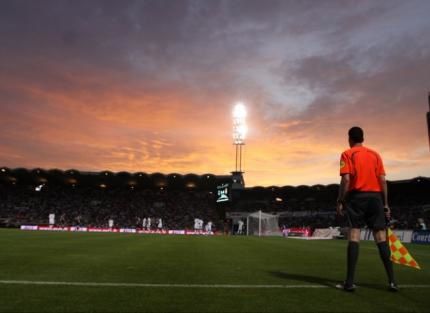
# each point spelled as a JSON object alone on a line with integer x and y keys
{"x": 363, "y": 196}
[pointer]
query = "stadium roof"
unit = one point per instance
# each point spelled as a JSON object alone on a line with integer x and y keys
{"x": 106, "y": 179}
{"x": 141, "y": 180}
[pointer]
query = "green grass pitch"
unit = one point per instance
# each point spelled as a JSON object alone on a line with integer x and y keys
{"x": 247, "y": 270}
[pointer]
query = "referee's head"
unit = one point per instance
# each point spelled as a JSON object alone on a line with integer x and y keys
{"x": 356, "y": 135}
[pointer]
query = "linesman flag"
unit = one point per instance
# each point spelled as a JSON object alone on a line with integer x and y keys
{"x": 399, "y": 254}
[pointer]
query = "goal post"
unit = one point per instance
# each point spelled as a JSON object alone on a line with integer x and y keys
{"x": 262, "y": 224}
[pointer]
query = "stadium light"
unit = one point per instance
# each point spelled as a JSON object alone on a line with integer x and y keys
{"x": 239, "y": 124}
{"x": 239, "y": 110}
{"x": 240, "y": 129}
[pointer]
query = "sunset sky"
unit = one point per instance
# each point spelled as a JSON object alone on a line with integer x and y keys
{"x": 150, "y": 85}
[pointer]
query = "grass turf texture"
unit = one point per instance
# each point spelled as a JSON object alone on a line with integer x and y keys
{"x": 131, "y": 258}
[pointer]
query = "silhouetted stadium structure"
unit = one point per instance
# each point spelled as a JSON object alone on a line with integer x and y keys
{"x": 92, "y": 198}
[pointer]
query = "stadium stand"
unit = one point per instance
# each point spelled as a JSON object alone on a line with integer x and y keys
{"x": 314, "y": 206}
{"x": 91, "y": 199}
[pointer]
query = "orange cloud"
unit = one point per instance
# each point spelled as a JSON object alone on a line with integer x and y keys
{"x": 156, "y": 97}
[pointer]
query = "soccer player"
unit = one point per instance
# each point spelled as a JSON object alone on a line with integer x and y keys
{"x": 208, "y": 227}
{"x": 240, "y": 227}
{"x": 63, "y": 219}
{"x": 363, "y": 196}
{"x": 78, "y": 220}
{"x": 421, "y": 224}
{"x": 198, "y": 224}
{"x": 51, "y": 219}
{"x": 137, "y": 221}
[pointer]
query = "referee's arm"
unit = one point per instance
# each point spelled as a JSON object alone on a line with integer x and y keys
{"x": 343, "y": 190}
{"x": 383, "y": 183}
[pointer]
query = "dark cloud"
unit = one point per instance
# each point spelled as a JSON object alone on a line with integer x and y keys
{"x": 168, "y": 71}
{"x": 397, "y": 81}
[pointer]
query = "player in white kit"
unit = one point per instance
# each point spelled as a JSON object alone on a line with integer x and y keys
{"x": 240, "y": 227}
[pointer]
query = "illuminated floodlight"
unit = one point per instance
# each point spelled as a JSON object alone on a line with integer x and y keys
{"x": 239, "y": 124}
{"x": 240, "y": 129}
{"x": 239, "y": 111}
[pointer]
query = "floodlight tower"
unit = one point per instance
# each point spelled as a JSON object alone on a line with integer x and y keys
{"x": 239, "y": 133}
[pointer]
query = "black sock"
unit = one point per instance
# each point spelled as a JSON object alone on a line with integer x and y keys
{"x": 384, "y": 252}
{"x": 352, "y": 257}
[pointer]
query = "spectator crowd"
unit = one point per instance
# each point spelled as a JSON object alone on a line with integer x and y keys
{"x": 96, "y": 207}
{"x": 303, "y": 206}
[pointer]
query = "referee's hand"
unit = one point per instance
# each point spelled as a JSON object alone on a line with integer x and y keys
{"x": 387, "y": 212}
{"x": 339, "y": 208}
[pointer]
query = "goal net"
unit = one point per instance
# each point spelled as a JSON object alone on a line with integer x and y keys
{"x": 263, "y": 224}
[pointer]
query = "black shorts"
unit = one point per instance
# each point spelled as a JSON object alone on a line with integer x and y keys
{"x": 365, "y": 208}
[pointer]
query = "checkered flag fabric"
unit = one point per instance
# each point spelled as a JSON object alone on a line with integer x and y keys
{"x": 399, "y": 254}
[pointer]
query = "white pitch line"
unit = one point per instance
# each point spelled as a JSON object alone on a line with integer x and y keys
{"x": 95, "y": 284}
{"x": 226, "y": 286}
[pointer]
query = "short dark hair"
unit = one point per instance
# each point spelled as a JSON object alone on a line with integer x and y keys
{"x": 356, "y": 134}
